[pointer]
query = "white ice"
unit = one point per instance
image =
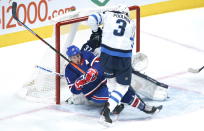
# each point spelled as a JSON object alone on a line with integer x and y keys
{"x": 173, "y": 42}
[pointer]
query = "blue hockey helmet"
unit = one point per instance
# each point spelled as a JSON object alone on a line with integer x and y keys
{"x": 72, "y": 51}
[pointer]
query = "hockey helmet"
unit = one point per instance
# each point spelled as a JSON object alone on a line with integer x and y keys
{"x": 123, "y": 9}
{"x": 72, "y": 51}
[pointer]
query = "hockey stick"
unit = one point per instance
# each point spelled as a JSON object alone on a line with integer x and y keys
{"x": 195, "y": 70}
{"x": 14, "y": 6}
{"x": 149, "y": 79}
{"x": 47, "y": 70}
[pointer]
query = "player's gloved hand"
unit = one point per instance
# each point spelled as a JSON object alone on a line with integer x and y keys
{"x": 96, "y": 37}
{"x": 91, "y": 75}
{"x": 80, "y": 82}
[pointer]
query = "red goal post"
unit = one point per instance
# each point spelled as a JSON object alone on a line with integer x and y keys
{"x": 80, "y": 19}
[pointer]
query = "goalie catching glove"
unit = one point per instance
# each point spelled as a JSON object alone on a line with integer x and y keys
{"x": 90, "y": 76}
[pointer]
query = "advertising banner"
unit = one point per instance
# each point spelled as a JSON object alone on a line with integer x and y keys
{"x": 38, "y": 13}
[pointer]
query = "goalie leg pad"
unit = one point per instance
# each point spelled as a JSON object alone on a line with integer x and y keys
{"x": 148, "y": 88}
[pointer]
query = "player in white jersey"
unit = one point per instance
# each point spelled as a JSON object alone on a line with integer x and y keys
{"x": 118, "y": 32}
{"x": 116, "y": 51}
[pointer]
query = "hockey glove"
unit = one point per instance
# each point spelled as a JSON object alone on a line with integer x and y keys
{"x": 96, "y": 37}
{"x": 91, "y": 75}
{"x": 80, "y": 82}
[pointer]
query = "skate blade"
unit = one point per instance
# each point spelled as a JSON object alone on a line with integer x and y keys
{"x": 115, "y": 117}
{"x": 158, "y": 109}
{"x": 103, "y": 122}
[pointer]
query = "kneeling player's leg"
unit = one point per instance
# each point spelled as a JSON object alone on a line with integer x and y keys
{"x": 101, "y": 95}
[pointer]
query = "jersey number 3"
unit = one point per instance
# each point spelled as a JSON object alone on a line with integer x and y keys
{"x": 121, "y": 28}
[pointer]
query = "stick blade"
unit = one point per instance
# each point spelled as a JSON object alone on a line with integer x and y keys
{"x": 193, "y": 70}
{"x": 14, "y": 6}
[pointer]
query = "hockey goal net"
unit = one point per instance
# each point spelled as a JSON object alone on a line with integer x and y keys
{"x": 48, "y": 83}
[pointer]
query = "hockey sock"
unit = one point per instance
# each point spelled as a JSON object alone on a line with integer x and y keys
{"x": 136, "y": 102}
{"x": 116, "y": 96}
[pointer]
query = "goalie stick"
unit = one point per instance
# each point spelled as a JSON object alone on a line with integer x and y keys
{"x": 195, "y": 70}
{"x": 149, "y": 79}
{"x": 14, "y": 6}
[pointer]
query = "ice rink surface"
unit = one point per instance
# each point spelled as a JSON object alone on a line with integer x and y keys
{"x": 173, "y": 42}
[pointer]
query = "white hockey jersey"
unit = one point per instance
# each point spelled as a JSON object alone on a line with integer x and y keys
{"x": 118, "y": 32}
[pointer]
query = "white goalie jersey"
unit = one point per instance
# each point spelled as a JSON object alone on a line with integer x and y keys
{"x": 118, "y": 30}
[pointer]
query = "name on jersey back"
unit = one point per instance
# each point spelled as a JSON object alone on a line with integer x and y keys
{"x": 122, "y": 16}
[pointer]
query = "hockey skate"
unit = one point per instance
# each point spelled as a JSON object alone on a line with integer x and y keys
{"x": 105, "y": 115}
{"x": 118, "y": 109}
{"x": 152, "y": 109}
